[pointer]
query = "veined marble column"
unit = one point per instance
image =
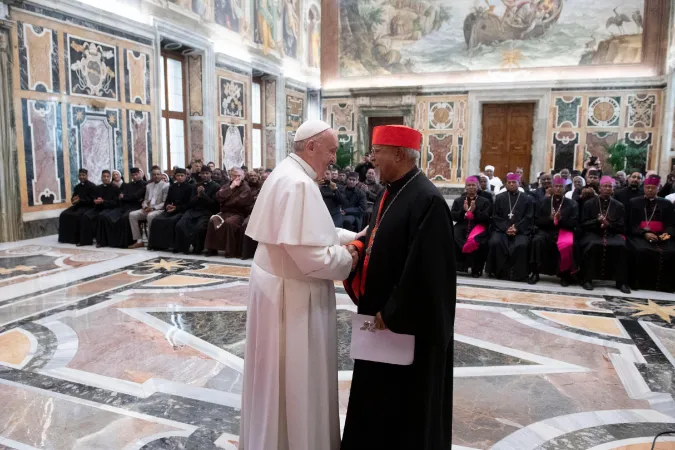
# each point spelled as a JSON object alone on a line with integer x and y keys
{"x": 10, "y": 213}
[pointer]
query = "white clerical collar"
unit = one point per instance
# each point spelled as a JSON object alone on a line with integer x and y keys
{"x": 304, "y": 165}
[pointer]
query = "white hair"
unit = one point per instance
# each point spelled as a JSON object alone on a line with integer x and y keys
{"x": 299, "y": 146}
{"x": 412, "y": 154}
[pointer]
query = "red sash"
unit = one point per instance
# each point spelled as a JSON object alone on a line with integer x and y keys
{"x": 655, "y": 226}
{"x": 566, "y": 249}
{"x": 471, "y": 245}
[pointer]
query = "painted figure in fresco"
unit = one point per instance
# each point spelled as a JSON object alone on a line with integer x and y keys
{"x": 291, "y": 28}
{"x": 267, "y": 24}
{"x": 228, "y": 12}
{"x": 233, "y": 148}
{"x": 314, "y": 39}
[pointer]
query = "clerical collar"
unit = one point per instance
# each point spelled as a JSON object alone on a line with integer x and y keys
{"x": 307, "y": 168}
{"x": 396, "y": 186}
{"x": 514, "y": 192}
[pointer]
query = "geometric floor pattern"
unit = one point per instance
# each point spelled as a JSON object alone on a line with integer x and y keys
{"x": 142, "y": 350}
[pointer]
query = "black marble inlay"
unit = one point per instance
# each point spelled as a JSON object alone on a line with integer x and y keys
{"x": 46, "y": 347}
{"x": 467, "y": 355}
{"x": 26, "y": 265}
{"x": 643, "y": 342}
{"x": 528, "y": 312}
{"x": 659, "y": 377}
{"x": 201, "y": 439}
{"x": 39, "y": 228}
{"x": 591, "y": 437}
{"x": 628, "y": 308}
{"x": 224, "y": 329}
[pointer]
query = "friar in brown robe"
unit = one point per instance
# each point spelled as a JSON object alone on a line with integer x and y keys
{"x": 224, "y": 231}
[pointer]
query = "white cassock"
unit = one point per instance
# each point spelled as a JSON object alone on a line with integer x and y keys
{"x": 290, "y": 399}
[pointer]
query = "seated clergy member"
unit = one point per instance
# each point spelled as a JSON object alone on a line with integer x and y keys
{"x": 253, "y": 181}
{"x": 152, "y": 206}
{"x": 235, "y": 200}
{"x": 81, "y": 202}
{"x": 333, "y": 197}
{"x": 589, "y": 191}
{"x": 373, "y": 188}
{"x": 651, "y": 240}
{"x": 543, "y": 190}
{"x": 114, "y": 229}
{"x": 355, "y": 204}
{"x": 161, "y": 231}
{"x": 494, "y": 181}
{"x": 552, "y": 247}
{"x": 602, "y": 247}
{"x": 512, "y": 222}
{"x": 191, "y": 228}
{"x": 472, "y": 214}
{"x": 106, "y": 197}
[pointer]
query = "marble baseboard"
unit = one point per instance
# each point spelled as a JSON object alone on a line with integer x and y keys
{"x": 39, "y": 228}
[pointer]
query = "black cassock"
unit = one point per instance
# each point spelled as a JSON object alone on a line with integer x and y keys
{"x": 625, "y": 195}
{"x": 89, "y": 221}
{"x": 114, "y": 229}
{"x": 653, "y": 263}
{"x": 603, "y": 252}
{"x": 411, "y": 280}
{"x": 508, "y": 256}
{"x": 482, "y": 215}
{"x": 544, "y": 253}
{"x": 163, "y": 226}
{"x": 191, "y": 228}
{"x": 354, "y": 208}
{"x": 69, "y": 220}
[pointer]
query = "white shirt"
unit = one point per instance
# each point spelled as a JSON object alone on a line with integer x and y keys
{"x": 155, "y": 194}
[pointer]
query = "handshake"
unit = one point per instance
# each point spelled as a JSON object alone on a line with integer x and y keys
{"x": 352, "y": 249}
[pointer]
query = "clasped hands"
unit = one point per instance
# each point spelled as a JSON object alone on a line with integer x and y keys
{"x": 352, "y": 249}
{"x": 98, "y": 201}
{"x": 512, "y": 231}
{"x": 604, "y": 223}
{"x": 651, "y": 237}
{"x": 469, "y": 207}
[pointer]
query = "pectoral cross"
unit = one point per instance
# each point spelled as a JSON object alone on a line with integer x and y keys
{"x": 510, "y": 215}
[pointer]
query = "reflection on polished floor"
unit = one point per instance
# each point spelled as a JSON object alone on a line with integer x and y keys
{"x": 141, "y": 350}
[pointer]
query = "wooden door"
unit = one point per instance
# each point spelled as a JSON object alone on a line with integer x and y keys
{"x": 378, "y": 121}
{"x": 507, "y": 137}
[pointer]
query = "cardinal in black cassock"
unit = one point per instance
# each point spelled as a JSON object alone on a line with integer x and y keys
{"x": 191, "y": 228}
{"x": 472, "y": 214}
{"x": 81, "y": 202}
{"x": 176, "y": 203}
{"x": 552, "y": 246}
{"x": 652, "y": 240}
{"x": 405, "y": 278}
{"x": 512, "y": 224}
{"x": 106, "y": 197}
{"x": 602, "y": 246}
{"x": 114, "y": 229}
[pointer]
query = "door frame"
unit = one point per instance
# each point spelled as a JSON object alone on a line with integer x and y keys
{"x": 540, "y": 97}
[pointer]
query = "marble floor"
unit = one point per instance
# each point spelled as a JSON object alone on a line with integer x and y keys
{"x": 121, "y": 349}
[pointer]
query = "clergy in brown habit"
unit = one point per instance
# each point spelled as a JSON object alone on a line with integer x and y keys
{"x": 651, "y": 240}
{"x": 235, "y": 200}
{"x": 602, "y": 247}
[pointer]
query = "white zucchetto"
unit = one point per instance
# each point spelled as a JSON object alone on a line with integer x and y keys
{"x": 309, "y": 129}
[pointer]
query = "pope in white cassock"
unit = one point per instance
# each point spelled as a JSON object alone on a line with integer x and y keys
{"x": 290, "y": 399}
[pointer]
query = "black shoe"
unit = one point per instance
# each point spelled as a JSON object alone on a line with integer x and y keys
{"x": 175, "y": 250}
{"x": 564, "y": 282}
{"x": 533, "y": 278}
{"x": 211, "y": 253}
{"x": 587, "y": 285}
{"x": 476, "y": 274}
{"x": 623, "y": 288}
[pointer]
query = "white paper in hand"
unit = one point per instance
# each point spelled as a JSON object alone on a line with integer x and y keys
{"x": 382, "y": 346}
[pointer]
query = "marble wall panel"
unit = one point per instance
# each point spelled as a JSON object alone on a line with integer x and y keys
{"x": 270, "y": 148}
{"x": 604, "y": 111}
{"x": 342, "y": 117}
{"x": 92, "y": 68}
{"x": 565, "y": 146}
{"x": 43, "y": 150}
{"x": 439, "y": 156}
{"x": 196, "y": 139}
{"x": 94, "y": 141}
{"x": 195, "y": 85}
{"x": 137, "y": 77}
{"x": 290, "y": 135}
{"x": 233, "y": 144}
{"x": 270, "y": 103}
{"x": 38, "y": 58}
{"x": 441, "y": 115}
{"x": 641, "y": 110}
{"x": 232, "y": 98}
{"x": 567, "y": 111}
{"x": 294, "y": 111}
{"x": 140, "y": 140}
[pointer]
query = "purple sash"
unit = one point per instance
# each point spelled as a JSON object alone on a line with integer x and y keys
{"x": 566, "y": 249}
{"x": 471, "y": 244}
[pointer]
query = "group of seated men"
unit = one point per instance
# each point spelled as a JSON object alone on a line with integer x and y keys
{"x": 350, "y": 194}
{"x": 627, "y": 236}
{"x": 200, "y": 210}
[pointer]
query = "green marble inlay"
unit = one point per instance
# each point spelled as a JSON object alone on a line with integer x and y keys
{"x": 568, "y": 111}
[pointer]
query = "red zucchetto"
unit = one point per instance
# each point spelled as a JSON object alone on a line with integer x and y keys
{"x": 397, "y": 136}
